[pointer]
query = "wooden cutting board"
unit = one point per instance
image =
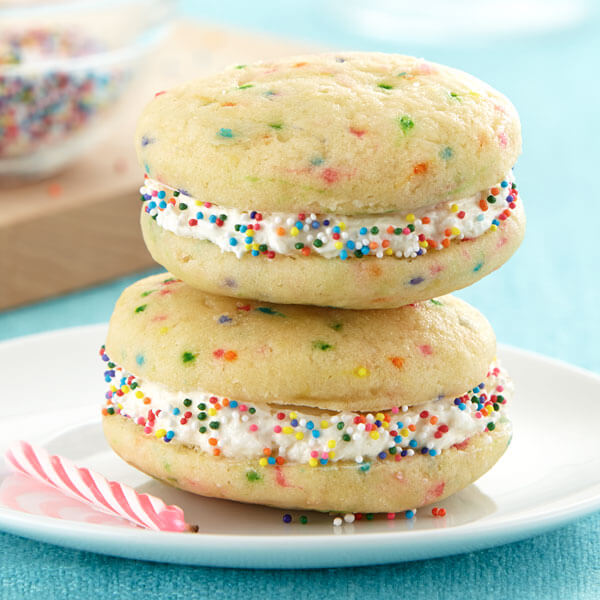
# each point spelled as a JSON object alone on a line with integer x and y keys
{"x": 81, "y": 227}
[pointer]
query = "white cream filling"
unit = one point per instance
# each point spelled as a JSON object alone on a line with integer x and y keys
{"x": 307, "y": 435}
{"x": 397, "y": 234}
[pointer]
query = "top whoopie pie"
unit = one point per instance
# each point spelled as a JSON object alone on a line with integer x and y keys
{"x": 358, "y": 180}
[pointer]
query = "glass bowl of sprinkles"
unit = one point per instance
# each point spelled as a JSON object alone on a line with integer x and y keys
{"x": 65, "y": 67}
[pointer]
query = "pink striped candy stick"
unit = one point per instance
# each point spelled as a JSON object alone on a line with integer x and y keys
{"x": 109, "y": 496}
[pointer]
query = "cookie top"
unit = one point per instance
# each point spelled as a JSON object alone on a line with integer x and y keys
{"x": 187, "y": 340}
{"x": 347, "y": 133}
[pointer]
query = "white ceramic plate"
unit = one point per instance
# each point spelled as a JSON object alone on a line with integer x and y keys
{"x": 50, "y": 392}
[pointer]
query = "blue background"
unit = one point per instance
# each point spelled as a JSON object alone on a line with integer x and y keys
{"x": 544, "y": 299}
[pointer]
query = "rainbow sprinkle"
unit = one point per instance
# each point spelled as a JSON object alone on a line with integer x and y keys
{"x": 46, "y": 105}
{"x": 400, "y": 235}
{"x": 271, "y": 435}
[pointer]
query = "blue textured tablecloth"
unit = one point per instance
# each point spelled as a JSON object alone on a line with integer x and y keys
{"x": 544, "y": 299}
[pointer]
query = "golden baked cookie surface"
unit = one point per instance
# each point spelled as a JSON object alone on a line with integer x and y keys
{"x": 348, "y": 133}
{"x": 185, "y": 339}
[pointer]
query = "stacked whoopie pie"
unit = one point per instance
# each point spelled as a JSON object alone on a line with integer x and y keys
{"x": 353, "y": 190}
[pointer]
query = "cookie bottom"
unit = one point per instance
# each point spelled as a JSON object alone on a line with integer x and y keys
{"x": 369, "y": 282}
{"x": 385, "y": 486}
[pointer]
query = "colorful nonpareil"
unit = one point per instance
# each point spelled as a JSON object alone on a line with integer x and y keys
{"x": 330, "y": 236}
{"x": 48, "y": 92}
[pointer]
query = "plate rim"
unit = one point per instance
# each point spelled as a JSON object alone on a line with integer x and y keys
{"x": 141, "y": 543}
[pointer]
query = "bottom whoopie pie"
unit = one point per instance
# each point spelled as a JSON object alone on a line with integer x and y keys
{"x": 303, "y": 407}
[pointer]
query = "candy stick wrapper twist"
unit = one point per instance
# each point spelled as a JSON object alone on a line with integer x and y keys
{"x": 90, "y": 487}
